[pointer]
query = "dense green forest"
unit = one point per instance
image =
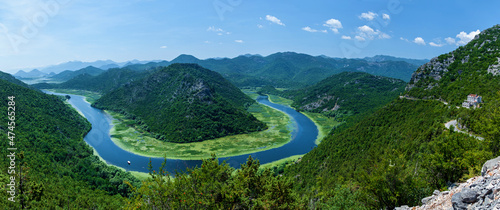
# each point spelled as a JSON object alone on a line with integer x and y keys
{"x": 57, "y": 168}
{"x": 403, "y": 152}
{"x": 343, "y": 95}
{"x": 193, "y": 103}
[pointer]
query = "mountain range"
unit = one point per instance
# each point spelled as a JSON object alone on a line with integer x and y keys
{"x": 288, "y": 69}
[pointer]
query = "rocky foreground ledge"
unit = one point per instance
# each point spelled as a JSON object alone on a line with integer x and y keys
{"x": 481, "y": 192}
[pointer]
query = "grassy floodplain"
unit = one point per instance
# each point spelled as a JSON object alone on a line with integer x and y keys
{"x": 129, "y": 138}
{"x": 90, "y": 97}
{"x": 324, "y": 124}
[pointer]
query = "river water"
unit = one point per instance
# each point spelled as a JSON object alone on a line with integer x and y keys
{"x": 304, "y": 135}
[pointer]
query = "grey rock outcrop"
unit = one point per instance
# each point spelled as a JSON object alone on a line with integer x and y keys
{"x": 482, "y": 192}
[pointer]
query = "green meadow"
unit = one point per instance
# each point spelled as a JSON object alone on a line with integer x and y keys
{"x": 125, "y": 135}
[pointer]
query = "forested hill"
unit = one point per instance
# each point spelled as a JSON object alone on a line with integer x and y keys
{"x": 345, "y": 94}
{"x": 470, "y": 69}
{"x": 58, "y": 167}
{"x": 403, "y": 152}
{"x": 184, "y": 103}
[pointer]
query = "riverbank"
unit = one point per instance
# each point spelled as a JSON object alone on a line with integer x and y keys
{"x": 323, "y": 123}
{"x": 131, "y": 139}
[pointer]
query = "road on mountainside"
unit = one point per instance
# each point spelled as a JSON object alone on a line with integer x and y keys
{"x": 455, "y": 125}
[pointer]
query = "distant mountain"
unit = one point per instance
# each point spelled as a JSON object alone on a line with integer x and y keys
{"x": 382, "y": 58}
{"x": 35, "y": 73}
{"x": 102, "y": 83}
{"x": 67, "y": 75}
{"x": 293, "y": 70}
{"x": 13, "y": 80}
{"x": 102, "y": 64}
{"x": 75, "y": 65}
{"x": 184, "y": 103}
{"x": 185, "y": 59}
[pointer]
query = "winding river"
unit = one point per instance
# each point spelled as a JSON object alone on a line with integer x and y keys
{"x": 303, "y": 137}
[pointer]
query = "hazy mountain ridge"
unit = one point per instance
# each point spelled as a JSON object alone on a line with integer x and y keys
{"x": 67, "y": 75}
{"x": 290, "y": 69}
{"x": 193, "y": 103}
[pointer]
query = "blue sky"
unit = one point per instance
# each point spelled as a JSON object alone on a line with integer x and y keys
{"x": 36, "y": 33}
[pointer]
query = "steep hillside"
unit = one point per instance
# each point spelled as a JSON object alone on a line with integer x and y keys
{"x": 403, "y": 152}
{"x": 57, "y": 167}
{"x": 185, "y": 103}
{"x": 470, "y": 69}
{"x": 67, "y": 75}
{"x": 347, "y": 92}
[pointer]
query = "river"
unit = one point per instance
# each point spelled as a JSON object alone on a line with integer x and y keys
{"x": 304, "y": 135}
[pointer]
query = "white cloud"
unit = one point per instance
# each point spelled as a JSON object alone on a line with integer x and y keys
{"x": 219, "y": 31}
{"x": 309, "y": 29}
{"x": 435, "y": 45}
{"x": 346, "y": 37}
{"x": 333, "y": 24}
{"x": 163, "y": 47}
{"x": 274, "y": 20}
{"x": 450, "y": 40}
{"x": 368, "y": 16}
{"x": 366, "y": 29}
{"x": 260, "y": 26}
{"x": 238, "y": 41}
{"x": 386, "y": 16}
{"x": 384, "y": 36}
{"x": 419, "y": 40}
{"x": 465, "y": 38}
{"x": 366, "y": 32}
{"x": 214, "y": 29}
{"x": 359, "y": 38}
{"x": 406, "y": 40}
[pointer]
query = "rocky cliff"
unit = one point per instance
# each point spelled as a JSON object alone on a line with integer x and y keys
{"x": 481, "y": 192}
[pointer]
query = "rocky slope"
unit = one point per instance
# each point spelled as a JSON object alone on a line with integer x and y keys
{"x": 473, "y": 68}
{"x": 481, "y": 192}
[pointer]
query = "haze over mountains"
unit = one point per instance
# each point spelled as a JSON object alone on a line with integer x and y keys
{"x": 288, "y": 70}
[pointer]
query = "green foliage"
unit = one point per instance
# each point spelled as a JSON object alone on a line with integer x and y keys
{"x": 466, "y": 74}
{"x": 58, "y": 167}
{"x": 397, "y": 155}
{"x": 193, "y": 103}
{"x": 213, "y": 186}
